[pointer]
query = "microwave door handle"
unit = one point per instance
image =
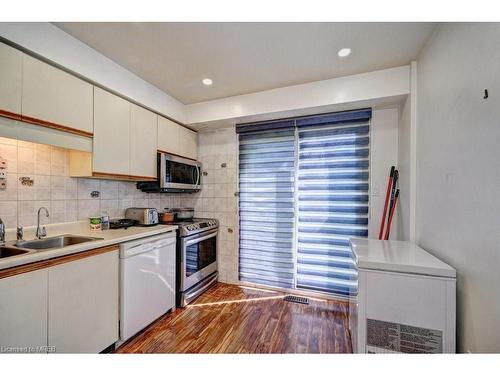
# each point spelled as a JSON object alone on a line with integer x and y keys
{"x": 197, "y": 175}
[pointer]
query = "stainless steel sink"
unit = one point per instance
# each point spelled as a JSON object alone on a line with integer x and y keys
{"x": 6, "y": 252}
{"x": 54, "y": 242}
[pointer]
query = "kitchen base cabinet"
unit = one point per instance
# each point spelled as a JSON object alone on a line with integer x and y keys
{"x": 68, "y": 303}
{"x": 83, "y": 304}
{"x": 23, "y": 312}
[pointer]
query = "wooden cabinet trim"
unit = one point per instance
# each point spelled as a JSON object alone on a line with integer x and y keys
{"x": 52, "y": 125}
{"x": 45, "y": 124}
{"x": 11, "y": 115}
{"x": 17, "y": 270}
{"x": 117, "y": 176}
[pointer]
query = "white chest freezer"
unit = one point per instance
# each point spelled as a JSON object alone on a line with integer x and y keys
{"x": 405, "y": 300}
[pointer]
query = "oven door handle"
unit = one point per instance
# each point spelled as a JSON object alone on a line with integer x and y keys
{"x": 199, "y": 239}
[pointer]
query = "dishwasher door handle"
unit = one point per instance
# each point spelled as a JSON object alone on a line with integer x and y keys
{"x": 140, "y": 249}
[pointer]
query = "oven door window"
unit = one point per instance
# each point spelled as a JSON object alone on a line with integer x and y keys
{"x": 179, "y": 173}
{"x": 200, "y": 254}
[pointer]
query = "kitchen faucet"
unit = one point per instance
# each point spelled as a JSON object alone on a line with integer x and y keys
{"x": 41, "y": 232}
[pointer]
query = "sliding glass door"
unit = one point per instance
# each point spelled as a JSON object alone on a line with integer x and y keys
{"x": 267, "y": 177}
{"x": 333, "y": 204}
{"x": 303, "y": 194}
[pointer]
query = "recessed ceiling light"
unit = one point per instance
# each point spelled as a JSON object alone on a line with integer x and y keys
{"x": 344, "y": 52}
{"x": 207, "y": 81}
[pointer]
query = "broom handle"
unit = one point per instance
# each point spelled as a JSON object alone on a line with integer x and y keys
{"x": 391, "y": 215}
{"x": 387, "y": 194}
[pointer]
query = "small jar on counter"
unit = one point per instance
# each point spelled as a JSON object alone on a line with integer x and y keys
{"x": 105, "y": 221}
{"x": 95, "y": 222}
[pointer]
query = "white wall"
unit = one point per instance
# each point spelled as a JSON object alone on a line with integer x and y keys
{"x": 404, "y": 168}
{"x": 61, "y": 48}
{"x": 458, "y": 171}
{"x": 383, "y": 154}
{"x": 313, "y": 96}
{"x": 217, "y": 198}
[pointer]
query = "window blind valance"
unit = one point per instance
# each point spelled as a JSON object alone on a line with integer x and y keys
{"x": 264, "y": 126}
{"x": 358, "y": 115}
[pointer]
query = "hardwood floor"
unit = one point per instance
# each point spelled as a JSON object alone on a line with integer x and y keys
{"x": 233, "y": 319}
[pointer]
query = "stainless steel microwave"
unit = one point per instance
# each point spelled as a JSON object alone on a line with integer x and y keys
{"x": 175, "y": 175}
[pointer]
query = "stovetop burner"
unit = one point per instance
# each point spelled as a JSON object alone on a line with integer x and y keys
{"x": 122, "y": 223}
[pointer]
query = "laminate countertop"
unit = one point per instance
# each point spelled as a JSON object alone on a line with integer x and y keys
{"x": 80, "y": 228}
{"x": 398, "y": 256}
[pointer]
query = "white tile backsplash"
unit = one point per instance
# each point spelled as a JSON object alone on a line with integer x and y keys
{"x": 86, "y": 186}
{"x": 217, "y": 199}
{"x": 109, "y": 189}
{"x": 88, "y": 208}
{"x": 67, "y": 198}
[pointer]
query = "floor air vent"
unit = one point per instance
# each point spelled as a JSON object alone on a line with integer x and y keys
{"x": 296, "y": 299}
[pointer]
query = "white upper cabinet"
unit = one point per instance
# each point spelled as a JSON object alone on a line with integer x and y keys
{"x": 52, "y": 95}
{"x": 168, "y": 136}
{"x": 176, "y": 139}
{"x": 188, "y": 143}
{"x": 111, "y": 154}
{"x": 10, "y": 79}
{"x": 143, "y": 142}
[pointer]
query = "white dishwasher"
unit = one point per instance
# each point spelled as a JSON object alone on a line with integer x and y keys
{"x": 147, "y": 281}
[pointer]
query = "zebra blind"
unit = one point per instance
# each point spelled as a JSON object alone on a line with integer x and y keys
{"x": 333, "y": 201}
{"x": 266, "y": 185}
{"x": 303, "y": 195}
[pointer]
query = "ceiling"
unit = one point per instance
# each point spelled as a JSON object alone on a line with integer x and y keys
{"x": 242, "y": 58}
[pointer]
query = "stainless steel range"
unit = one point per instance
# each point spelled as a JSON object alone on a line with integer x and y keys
{"x": 196, "y": 258}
